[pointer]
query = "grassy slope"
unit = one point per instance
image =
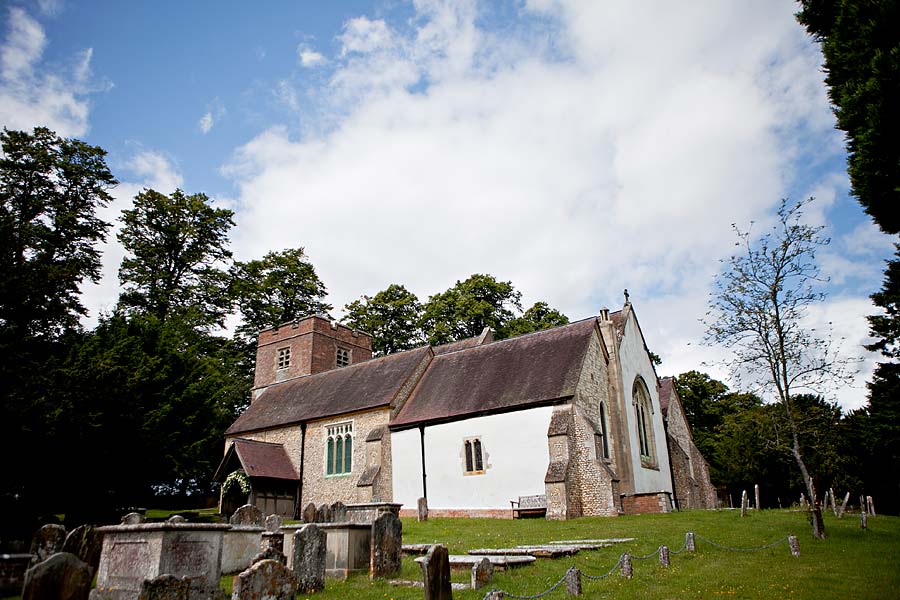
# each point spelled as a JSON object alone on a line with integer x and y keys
{"x": 851, "y": 563}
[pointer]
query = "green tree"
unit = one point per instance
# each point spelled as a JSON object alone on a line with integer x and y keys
{"x": 275, "y": 289}
{"x": 50, "y": 189}
{"x": 861, "y": 45}
{"x": 757, "y": 312}
{"x": 392, "y": 318}
{"x": 537, "y": 318}
{"x": 177, "y": 249}
{"x": 468, "y": 307}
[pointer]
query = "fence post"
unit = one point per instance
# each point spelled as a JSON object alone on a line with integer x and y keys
{"x": 689, "y": 541}
{"x": 573, "y": 582}
{"x": 756, "y": 492}
{"x": 663, "y": 556}
{"x": 794, "y": 543}
{"x": 744, "y": 503}
{"x": 627, "y": 570}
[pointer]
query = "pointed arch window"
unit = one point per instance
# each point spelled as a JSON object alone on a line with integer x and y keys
{"x": 339, "y": 449}
{"x": 643, "y": 417}
{"x": 473, "y": 455}
{"x": 603, "y": 441}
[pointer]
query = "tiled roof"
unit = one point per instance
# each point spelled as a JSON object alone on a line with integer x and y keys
{"x": 362, "y": 386}
{"x": 666, "y": 389}
{"x": 262, "y": 459}
{"x": 526, "y": 370}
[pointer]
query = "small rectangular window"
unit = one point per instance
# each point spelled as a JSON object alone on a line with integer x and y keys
{"x": 343, "y": 357}
{"x": 474, "y": 456}
{"x": 283, "y": 358}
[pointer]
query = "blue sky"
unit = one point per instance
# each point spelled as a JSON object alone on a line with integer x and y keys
{"x": 574, "y": 147}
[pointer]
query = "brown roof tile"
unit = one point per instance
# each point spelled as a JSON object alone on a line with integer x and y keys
{"x": 666, "y": 389}
{"x": 529, "y": 369}
{"x": 263, "y": 459}
{"x": 358, "y": 387}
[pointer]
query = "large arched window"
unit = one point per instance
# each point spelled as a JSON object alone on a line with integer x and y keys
{"x": 643, "y": 416}
{"x": 339, "y": 449}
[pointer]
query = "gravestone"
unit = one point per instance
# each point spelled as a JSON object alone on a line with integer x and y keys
{"x": 573, "y": 582}
{"x": 323, "y": 514}
{"x": 794, "y": 544}
{"x": 268, "y": 579}
{"x": 47, "y": 540}
{"x": 274, "y": 523}
{"x": 862, "y": 504}
{"x": 61, "y": 577}
{"x": 338, "y": 512}
{"x": 272, "y": 539}
{"x": 308, "y": 560}
{"x": 169, "y": 587}
{"x": 270, "y": 554}
{"x": 744, "y": 503}
{"x": 176, "y": 519}
{"x": 756, "y": 495}
{"x": 436, "y": 573}
{"x": 482, "y": 573}
{"x": 664, "y": 556}
{"x": 387, "y": 546}
{"x": 133, "y": 518}
{"x": 863, "y": 520}
{"x": 309, "y": 513}
{"x": 85, "y": 542}
{"x": 844, "y": 505}
{"x": 871, "y": 504}
{"x": 247, "y": 515}
{"x": 422, "y": 510}
{"x": 834, "y": 507}
{"x": 627, "y": 569}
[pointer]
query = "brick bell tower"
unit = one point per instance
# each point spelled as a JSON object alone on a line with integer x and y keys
{"x": 306, "y": 347}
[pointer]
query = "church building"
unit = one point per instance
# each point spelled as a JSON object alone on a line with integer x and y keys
{"x": 575, "y": 416}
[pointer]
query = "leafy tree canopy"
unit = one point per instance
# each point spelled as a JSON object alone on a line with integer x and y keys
{"x": 50, "y": 188}
{"x": 537, "y": 318}
{"x": 468, "y": 307}
{"x": 392, "y": 318}
{"x": 177, "y": 246}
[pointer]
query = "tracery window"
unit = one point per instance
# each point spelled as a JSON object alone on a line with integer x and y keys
{"x": 474, "y": 456}
{"x": 343, "y": 357}
{"x": 643, "y": 413}
{"x": 339, "y": 449}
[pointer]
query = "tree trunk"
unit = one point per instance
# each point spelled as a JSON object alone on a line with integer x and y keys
{"x": 818, "y": 525}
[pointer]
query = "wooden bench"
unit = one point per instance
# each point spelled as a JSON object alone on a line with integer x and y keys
{"x": 529, "y": 506}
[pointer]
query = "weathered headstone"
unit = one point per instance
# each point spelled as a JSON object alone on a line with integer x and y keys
{"x": 863, "y": 520}
{"x": 756, "y": 496}
{"x": 176, "y": 519}
{"x": 744, "y": 503}
{"x": 436, "y": 573}
{"x": 844, "y": 505}
{"x": 825, "y": 501}
{"x": 482, "y": 573}
{"x": 689, "y": 542}
{"x": 308, "y": 558}
{"x": 274, "y": 522}
{"x": 573, "y": 582}
{"x": 834, "y": 507}
{"x": 794, "y": 544}
{"x": 85, "y": 542}
{"x": 62, "y": 576}
{"x": 803, "y": 504}
{"x": 664, "y": 556}
{"x": 272, "y": 539}
{"x": 626, "y": 568}
{"x": 133, "y": 518}
{"x": 338, "y": 512}
{"x": 267, "y": 579}
{"x": 47, "y": 540}
{"x": 269, "y": 554}
{"x": 169, "y": 587}
{"x": 248, "y": 514}
{"x": 862, "y": 504}
{"x": 309, "y": 513}
{"x": 422, "y": 514}
{"x": 323, "y": 514}
{"x": 387, "y": 546}
{"x": 871, "y": 504}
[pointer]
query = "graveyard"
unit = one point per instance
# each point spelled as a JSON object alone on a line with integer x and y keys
{"x": 709, "y": 554}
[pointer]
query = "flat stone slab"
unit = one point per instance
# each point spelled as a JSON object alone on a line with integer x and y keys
{"x": 500, "y": 562}
{"x": 415, "y": 548}
{"x": 597, "y": 541}
{"x": 420, "y": 584}
{"x": 534, "y": 551}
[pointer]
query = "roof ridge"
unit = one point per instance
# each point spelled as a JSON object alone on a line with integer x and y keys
{"x": 509, "y": 339}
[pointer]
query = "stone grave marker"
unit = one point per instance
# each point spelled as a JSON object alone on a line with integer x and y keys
{"x": 436, "y": 573}
{"x": 270, "y": 553}
{"x": 47, "y": 540}
{"x": 248, "y": 514}
{"x": 176, "y": 519}
{"x": 274, "y": 523}
{"x": 422, "y": 514}
{"x": 272, "y": 539}
{"x": 133, "y": 518}
{"x": 744, "y": 503}
{"x": 756, "y": 496}
{"x": 61, "y": 577}
{"x": 482, "y": 573}
{"x": 268, "y": 579}
{"x": 844, "y": 505}
{"x": 309, "y": 513}
{"x": 863, "y": 520}
{"x": 169, "y": 587}
{"x": 338, "y": 512}
{"x": 308, "y": 559}
{"x": 871, "y": 504}
{"x": 387, "y": 546}
{"x": 323, "y": 514}
{"x": 85, "y": 542}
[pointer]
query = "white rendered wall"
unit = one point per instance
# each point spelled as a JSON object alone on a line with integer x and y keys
{"x": 515, "y": 456}
{"x": 635, "y": 361}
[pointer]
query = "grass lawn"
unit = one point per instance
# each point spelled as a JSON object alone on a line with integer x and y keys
{"x": 851, "y": 563}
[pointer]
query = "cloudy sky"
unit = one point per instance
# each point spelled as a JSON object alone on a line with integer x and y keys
{"x": 576, "y": 148}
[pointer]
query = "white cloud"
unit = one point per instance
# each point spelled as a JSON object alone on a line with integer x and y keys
{"x": 309, "y": 57}
{"x": 155, "y": 170}
{"x": 610, "y": 145}
{"x": 32, "y": 94}
{"x": 216, "y": 110}
{"x": 206, "y": 122}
